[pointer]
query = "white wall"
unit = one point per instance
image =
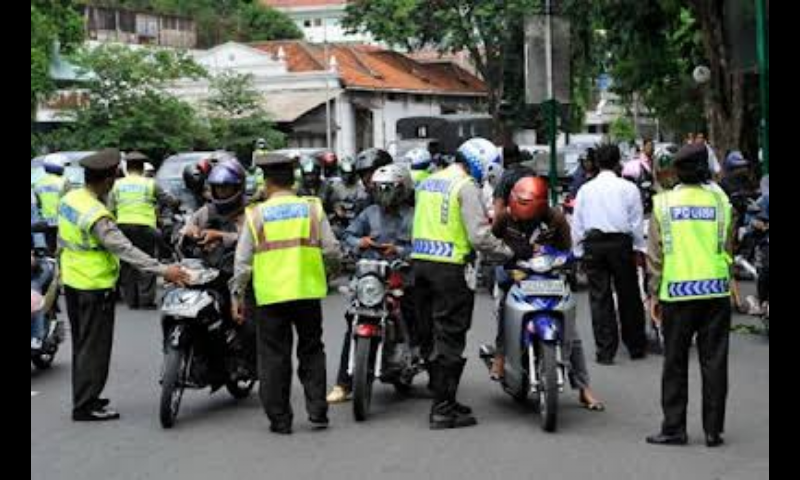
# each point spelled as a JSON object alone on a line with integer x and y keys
{"x": 393, "y": 110}
{"x": 346, "y": 123}
{"x": 240, "y": 58}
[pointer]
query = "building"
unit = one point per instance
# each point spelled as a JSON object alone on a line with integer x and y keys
{"x": 368, "y": 89}
{"x": 106, "y": 24}
{"x": 319, "y": 20}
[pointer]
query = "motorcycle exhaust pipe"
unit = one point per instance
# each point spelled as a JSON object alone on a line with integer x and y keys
{"x": 486, "y": 353}
{"x": 532, "y": 373}
{"x": 747, "y": 266}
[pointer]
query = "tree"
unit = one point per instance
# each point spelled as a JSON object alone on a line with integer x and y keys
{"x": 726, "y": 104}
{"x": 257, "y": 23}
{"x": 128, "y": 106}
{"x": 622, "y": 130}
{"x": 53, "y": 22}
{"x": 236, "y": 116}
{"x": 480, "y": 27}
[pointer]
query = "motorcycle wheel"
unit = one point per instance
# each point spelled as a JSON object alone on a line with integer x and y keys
{"x": 240, "y": 389}
{"x": 43, "y": 360}
{"x": 363, "y": 377}
{"x": 172, "y": 386}
{"x": 548, "y": 392}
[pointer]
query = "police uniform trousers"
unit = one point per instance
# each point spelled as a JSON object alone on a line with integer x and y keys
{"x": 710, "y": 321}
{"x": 91, "y": 318}
{"x": 139, "y": 288}
{"x": 274, "y": 324}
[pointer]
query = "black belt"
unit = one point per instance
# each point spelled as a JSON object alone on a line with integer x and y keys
{"x": 599, "y": 236}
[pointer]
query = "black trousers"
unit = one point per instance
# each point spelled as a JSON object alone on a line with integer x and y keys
{"x": 139, "y": 288}
{"x": 445, "y": 303}
{"x": 710, "y": 320}
{"x": 91, "y": 318}
{"x": 275, "y": 341}
{"x": 610, "y": 266}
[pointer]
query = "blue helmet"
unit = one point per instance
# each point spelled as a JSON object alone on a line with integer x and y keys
{"x": 419, "y": 159}
{"x": 735, "y": 159}
{"x": 480, "y": 156}
{"x": 228, "y": 172}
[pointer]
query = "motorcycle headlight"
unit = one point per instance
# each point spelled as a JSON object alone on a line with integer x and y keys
{"x": 370, "y": 291}
{"x": 184, "y": 303}
{"x": 542, "y": 264}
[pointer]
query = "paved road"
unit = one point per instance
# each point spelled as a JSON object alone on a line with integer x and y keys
{"x": 217, "y": 438}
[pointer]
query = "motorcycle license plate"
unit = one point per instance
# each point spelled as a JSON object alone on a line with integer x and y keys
{"x": 544, "y": 288}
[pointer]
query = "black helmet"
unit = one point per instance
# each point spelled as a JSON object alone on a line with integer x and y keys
{"x": 194, "y": 178}
{"x": 372, "y": 159}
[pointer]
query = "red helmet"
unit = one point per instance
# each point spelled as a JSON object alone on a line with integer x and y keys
{"x": 528, "y": 199}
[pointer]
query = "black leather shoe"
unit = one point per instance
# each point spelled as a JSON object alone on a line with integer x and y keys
{"x": 320, "y": 422}
{"x": 605, "y": 361}
{"x": 447, "y": 415}
{"x": 280, "y": 429}
{"x": 462, "y": 409}
{"x": 665, "y": 439}
{"x": 95, "y": 415}
{"x": 714, "y": 440}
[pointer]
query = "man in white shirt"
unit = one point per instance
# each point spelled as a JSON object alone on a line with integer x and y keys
{"x": 608, "y": 235}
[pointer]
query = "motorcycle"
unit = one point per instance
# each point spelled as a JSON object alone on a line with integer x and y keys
{"x": 202, "y": 347}
{"x": 380, "y": 348}
{"x": 46, "y": 275}
{"x": 537, "y": 307}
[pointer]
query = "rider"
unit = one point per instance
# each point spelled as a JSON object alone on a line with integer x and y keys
{"x": 342, "y": 195}
{"x": 216, "y": 228}
{"x": 381, "y": 231}
{"x": 527, "y": 212}
{"x": 310, "y": 177}
{"x": 366, "y": 163}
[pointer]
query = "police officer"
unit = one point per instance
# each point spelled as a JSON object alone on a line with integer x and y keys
{"x": 419, "y": 162}
{"x": 134, "y": 201}
{"x": 282, "y": 248}
{"x": 49, "y": 190}
{"x": 450, "y": 221}
{"x": 689, "y": 262}
{"x": 90, "y": 244}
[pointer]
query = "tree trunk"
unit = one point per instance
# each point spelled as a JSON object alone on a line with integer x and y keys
{"x": 725, "y": 100}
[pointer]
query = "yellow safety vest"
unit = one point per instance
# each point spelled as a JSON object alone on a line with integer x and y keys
{"x": 439, "y": 231}
{"x": 49, "y": 190}
{"x": 135, "y": 199}
{"x": 288, "y": 263}
{"x": 694, "y": 224}
{"x": 85, "y": 264}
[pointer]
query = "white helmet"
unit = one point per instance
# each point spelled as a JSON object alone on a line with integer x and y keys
{"x": 481, "y": 157}
{"x": 393, "y": 185}
{"x": 55, "y": 163}
{"x": 418, "y": 159}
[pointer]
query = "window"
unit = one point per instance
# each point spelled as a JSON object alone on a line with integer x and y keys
{"x": 307, "y": 23}
{"x": 317, "y": 22}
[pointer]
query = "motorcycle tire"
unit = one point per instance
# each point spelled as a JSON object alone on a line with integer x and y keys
{"x": 43, "y": 360}
{"x": 240, "y": 389}
{"x": 172, "y": 386}
{"x": 548, "y": 392}
{"x": 363, "y": 378}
